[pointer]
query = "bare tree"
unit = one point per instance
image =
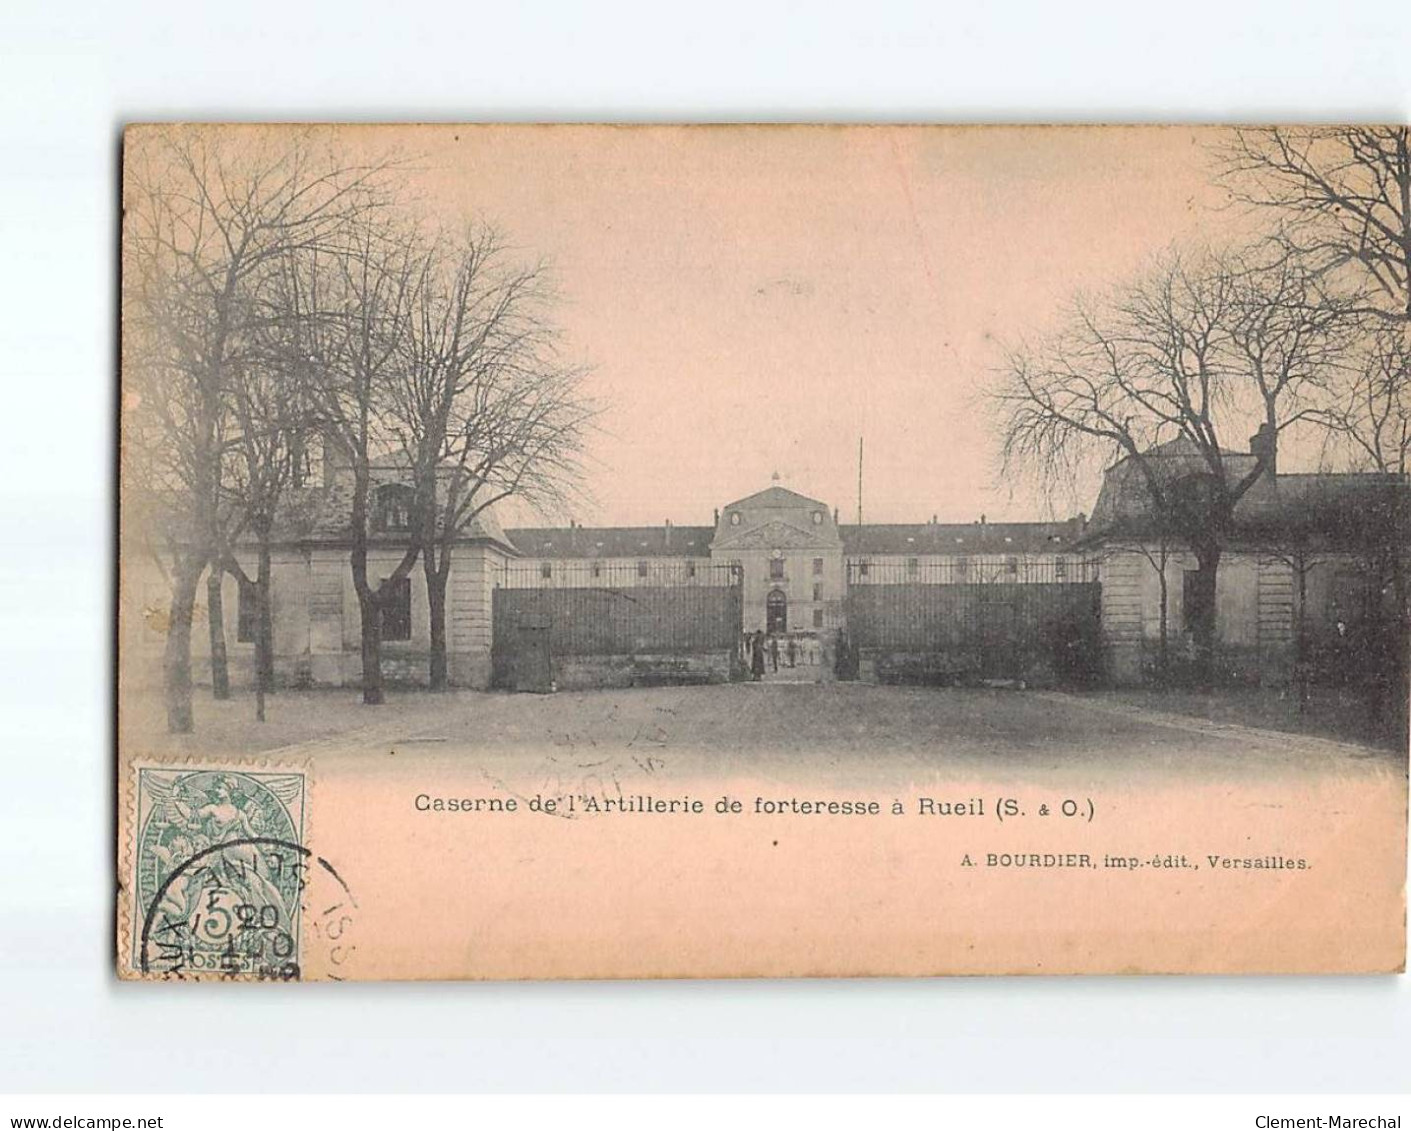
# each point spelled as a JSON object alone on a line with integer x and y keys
{"x": 1289, "y": 335}
{"x": 267, "y": 453}
{"x": 482, "y": 408}
{"x": 352, "y": 306}
{"x": 1369, "y": 423}
{"x": 205, "y": 216}
{"x": 172, "y": 426}
{"x": 1155, "y": 375}
{"x": 1342, "y": 196}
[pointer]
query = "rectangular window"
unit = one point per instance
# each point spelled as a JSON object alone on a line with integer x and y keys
{"x": 962, "y": 567}
{"x": 1011, "y": 564}
{"x": 817, "y": 567}
{"x": 817, "y": 591}
{"x": 597, "y": 569}
{"x": 862, "y": 569}
{"x": 690, "y": 569}
{"x": 776, "y": 569}
{"x": 1060, "y": 568}
{"x": 641, "y": 569}
{"x": 546, "y": 570}
{"x": 817, "y": 618}
{"x": 397, "y": 612}
{"x": 247, "y": 616}
{"x": 912, "y": 567}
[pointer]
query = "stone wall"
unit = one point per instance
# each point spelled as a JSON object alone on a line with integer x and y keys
{"x": 316, "y": 622}
{"x": 1253, "y": 616}
{"x": 641, "y": 670}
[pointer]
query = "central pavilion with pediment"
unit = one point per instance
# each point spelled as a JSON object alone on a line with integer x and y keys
{"x": 790, "y": 557}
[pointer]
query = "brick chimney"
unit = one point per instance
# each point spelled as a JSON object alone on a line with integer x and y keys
{"x": 1264, "y": 445}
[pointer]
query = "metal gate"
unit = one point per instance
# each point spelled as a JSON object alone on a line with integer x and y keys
{"x": 955, "y": 621}
{"x": 647, "y": 622}
{"x": 531, "y": 668}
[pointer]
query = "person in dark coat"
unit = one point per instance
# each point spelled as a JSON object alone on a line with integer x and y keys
{"x": 757, "y": 656}
{"x": 774, "y": 653}
{"x": 842, "y": 657}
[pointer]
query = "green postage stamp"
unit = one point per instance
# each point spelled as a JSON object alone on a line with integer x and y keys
{"x": 218, "y": 873}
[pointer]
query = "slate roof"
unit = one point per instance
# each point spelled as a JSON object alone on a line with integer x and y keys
{"x": 961, "y": 538}
{"x": 559, "y": 542}
{"x": 1344, "y": 509}
{"x": 1124, "y": 494}
{"x": 1183, "y": 447}
{"x": 322, "y": 514}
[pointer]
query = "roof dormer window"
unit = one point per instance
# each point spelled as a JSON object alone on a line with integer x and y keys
{"x": 392, "y": 512}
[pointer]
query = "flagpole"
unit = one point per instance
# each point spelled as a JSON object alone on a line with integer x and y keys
{"x": 859, "y": 480}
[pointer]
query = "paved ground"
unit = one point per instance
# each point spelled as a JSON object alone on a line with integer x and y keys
{"x": 842, "y": 730}
{"x": 1338, "y": 713}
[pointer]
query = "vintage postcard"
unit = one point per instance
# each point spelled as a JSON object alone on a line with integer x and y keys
{"x": 625, "y": 552}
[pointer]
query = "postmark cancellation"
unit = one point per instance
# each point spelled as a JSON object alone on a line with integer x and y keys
{"x": 217, "y": 872}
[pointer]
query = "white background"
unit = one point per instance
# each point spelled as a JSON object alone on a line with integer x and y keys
{"x": 72, "y": 73}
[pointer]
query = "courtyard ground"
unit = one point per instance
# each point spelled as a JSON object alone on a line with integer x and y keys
{"x": 837, "y": 728}
{"x": 1336, "y": 713}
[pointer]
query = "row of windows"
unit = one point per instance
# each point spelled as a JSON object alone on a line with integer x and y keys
{"x": 913, "y": 565}
{"x": 962, "y": 565}
{"x": 776, "y": 568}
{"x": 546, "y": 569}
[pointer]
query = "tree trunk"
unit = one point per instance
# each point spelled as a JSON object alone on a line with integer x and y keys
{"x": 1163, "y": 654}
{"x": 369, "y": 607}
{"x": 176, "y": 659}
{"x": 437, "y": 575}
{"x": 1401, "y": 640}
{"x": 1202, "y": 615}
{"x": 371, "y": 612}
{"x": 264, "y": 632}
{"x": 215, "y": 622}
{"x": 1300, "y": 640}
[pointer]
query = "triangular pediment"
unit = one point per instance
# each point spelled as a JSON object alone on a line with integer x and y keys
{"x": 776, "y": 496}
{"x": 774, "y": 535}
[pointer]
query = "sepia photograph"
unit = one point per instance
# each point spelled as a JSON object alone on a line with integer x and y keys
{"x": 762, "y": 565}
{"x": 685, "y": 551}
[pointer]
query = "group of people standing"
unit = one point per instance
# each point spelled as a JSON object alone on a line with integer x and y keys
{"x": 759, "y": 648}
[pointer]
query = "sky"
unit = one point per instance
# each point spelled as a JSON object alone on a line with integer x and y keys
{"x": 752, "y": 300}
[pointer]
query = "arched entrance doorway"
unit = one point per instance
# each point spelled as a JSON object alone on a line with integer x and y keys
{"x": 776, "y": 611}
